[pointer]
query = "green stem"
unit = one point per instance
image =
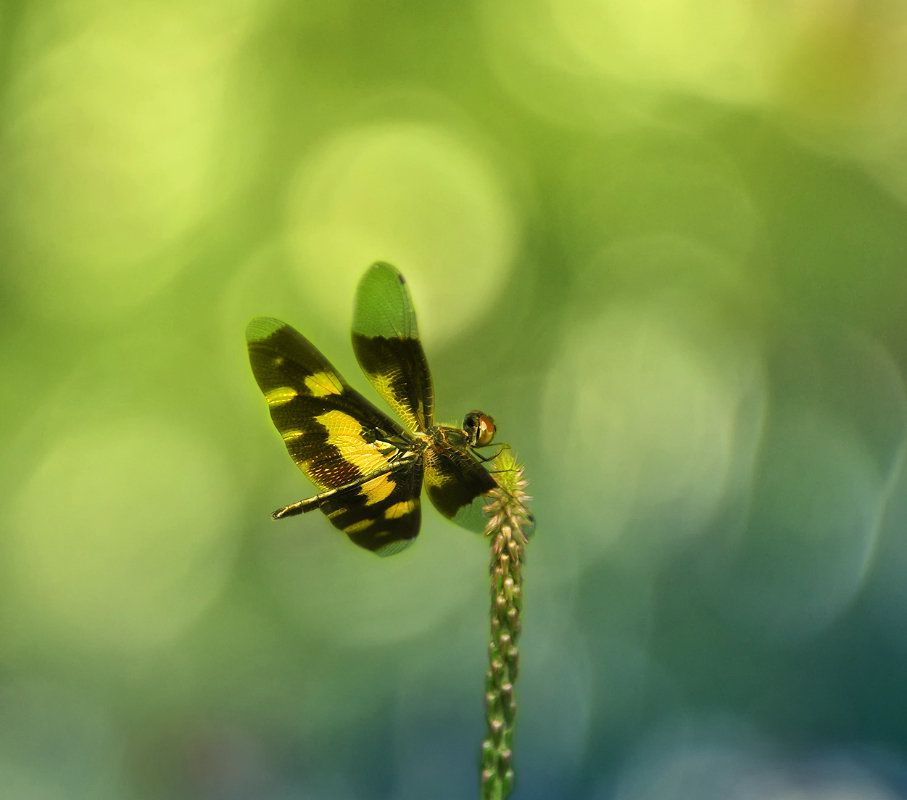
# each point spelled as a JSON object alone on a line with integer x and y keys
{"x": 509, "y": 524}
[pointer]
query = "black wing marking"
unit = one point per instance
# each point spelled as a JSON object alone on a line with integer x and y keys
{"x": 331, "y": 431}
{"x": 457, "y": 483}
{"x": 386, "y": 343}
{"x": 381, "y": 513}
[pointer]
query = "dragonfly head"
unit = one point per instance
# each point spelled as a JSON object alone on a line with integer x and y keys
{"x": 479, "y": 428}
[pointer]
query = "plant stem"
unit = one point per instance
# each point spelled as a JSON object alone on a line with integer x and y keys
{"x": 508, "y": 527}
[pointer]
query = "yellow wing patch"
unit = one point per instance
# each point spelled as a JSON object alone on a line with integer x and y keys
{"x": 400, "y": 509}
{"x": 437, "y": 478}
{"x": 384, "y": 385}
{"x": 280, "y": 395}
{"x": 322, "y": 384}
{"x": 377, "y": 489}
{"x": 345, "y": 433}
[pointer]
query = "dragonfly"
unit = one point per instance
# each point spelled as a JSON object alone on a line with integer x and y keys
{"x": 368, "y": 468}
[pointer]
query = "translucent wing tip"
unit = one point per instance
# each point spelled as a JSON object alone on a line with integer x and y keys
{"x": 385, "y": 267}
{"x": 383, "y": 305}
{"x": 384, "y": 271}
{"x": 394, "y": 547}
{"x": 260, "y": 328}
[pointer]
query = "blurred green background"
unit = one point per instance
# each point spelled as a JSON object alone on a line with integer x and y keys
{"x": 664, "y": 244}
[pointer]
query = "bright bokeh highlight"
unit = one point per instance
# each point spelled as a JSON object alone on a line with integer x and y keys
{"x": 410, "y": 193}
{"x": 129, "y": 553}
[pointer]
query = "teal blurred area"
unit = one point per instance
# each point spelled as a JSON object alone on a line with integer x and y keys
{"x": 664, "y": 244}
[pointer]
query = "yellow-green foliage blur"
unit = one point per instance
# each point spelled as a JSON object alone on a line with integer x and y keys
{"x": 663, "y": 244}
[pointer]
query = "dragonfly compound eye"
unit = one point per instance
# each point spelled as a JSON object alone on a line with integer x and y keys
{"x": 479, "y": 428}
